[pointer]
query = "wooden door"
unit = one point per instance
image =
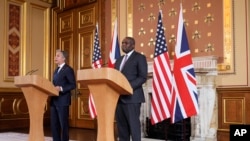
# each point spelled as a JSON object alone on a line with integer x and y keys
{"x": 76, "y": 34}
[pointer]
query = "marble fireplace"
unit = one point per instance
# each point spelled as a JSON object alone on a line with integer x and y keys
{"x": 204, "y": 125}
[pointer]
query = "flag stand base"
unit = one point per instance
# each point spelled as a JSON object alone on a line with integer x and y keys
{"x": 180, "y": 131}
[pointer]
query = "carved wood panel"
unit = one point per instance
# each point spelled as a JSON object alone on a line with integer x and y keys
{"x": 65, "y": 4}
{"x": 14, "y": 110}
{"x": 232, "y": 109}
{"x": 76, "y": 36}
{"x": 66, "y": 22}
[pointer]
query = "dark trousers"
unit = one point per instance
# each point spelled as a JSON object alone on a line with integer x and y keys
{"x": 128, "y": 121}
{"x": 59, "y": 122}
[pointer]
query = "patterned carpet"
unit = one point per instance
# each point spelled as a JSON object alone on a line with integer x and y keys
{"x": 12, "y": 136}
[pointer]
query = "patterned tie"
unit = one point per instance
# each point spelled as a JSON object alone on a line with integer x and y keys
{"x": 124, "y": 62}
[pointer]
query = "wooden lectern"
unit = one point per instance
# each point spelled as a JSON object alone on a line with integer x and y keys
{"x": 105, "y": 85}
{"x": 36, "y": 90}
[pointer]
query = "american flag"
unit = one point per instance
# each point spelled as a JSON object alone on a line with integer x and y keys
{"x": 184, "y": 97}
{"x": 162, "y": 77}
{"x": 114, "y": 49}
{"x": 97, "y": 58}
{"x": 96, "y": 63}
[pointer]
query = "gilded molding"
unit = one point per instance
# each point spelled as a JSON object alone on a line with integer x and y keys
{"x": 124, "y": 9}
{"x": 48, "y": 1}
{"x": 228, "y": 65}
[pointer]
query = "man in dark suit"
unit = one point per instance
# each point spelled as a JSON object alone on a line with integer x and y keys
{"x": 64, "y": 81}
{"x": 134, "y": 67}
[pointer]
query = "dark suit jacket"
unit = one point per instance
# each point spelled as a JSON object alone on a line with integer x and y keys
{"x": 135, "y": 70}
{"x": 66, "y": 79}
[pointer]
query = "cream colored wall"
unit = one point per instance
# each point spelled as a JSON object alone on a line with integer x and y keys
{"x": 35, "y": 38}
{"x": 241, "y": 46}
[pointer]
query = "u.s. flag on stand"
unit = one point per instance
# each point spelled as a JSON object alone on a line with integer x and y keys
{"x": 162, "y": 77}
{"x": 114, "y": 49}
{"x": 184, "y": 96}
{"x": 97, "y": 58}
{"x": 96, "y": 63}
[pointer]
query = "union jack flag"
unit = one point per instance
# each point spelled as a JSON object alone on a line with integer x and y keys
{"x": 162, "y": 77}
{"x": 96, "y": 63}
{"x": 115, "y": 49}
{"x": 184, "y": 96}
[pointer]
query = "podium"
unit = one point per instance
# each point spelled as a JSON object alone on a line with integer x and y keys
{"x": 105, "y": 85}
{"x": 36, "y": 90}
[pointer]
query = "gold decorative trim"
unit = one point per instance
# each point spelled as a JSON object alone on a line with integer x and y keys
{"x": 228, "y": 65}
{"x": 6, "y": 90}
{"x": 130, "y": 17}
{"x": 123, "y": 10}
{"x": 47, "y": 1}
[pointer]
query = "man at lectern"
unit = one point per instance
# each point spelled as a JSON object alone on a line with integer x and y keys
{"x": 134, "y": 67}
{"x": 64, "y": 81}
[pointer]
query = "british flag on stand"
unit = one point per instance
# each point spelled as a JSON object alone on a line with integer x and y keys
{"x": 114, "y": 49}
{"x": 96, "y": 63}
{"x": 162, "y": 77}
{"x": 184, "y": 96}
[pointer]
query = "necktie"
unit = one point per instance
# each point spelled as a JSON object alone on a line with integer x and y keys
{"x": 58, "y": 69}
{"x": 124, "y": 62}
{"x": 55, "y": 74}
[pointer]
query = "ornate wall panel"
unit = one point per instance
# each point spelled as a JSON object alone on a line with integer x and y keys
{"x": 65, "y": 4}
{"x": 85, "y": 46}
{"x": 84, "y": 111}
{"x": 66, "y": 23}
{"x": 14, "y": 40}
{"x": 14, "y": 110}
{"x": 209, "y": 26}
{"x": 66, "y": 43}
{"x": 86, "y": 17}
{"x": 76, "y": 36}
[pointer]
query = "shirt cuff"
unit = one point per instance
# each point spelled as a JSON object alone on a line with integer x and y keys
{"x": 61, "y": 89}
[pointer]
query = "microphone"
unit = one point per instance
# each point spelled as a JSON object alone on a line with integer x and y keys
{"x": 31, "y": 72}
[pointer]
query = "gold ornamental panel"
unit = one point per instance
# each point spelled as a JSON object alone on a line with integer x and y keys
{"x": 86, "y": 17}
{"x": 66, "y": 44}
{"x": 85, "y": 47}
{"x": 66, "y": 23}
{"x": 83, "y": 108}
